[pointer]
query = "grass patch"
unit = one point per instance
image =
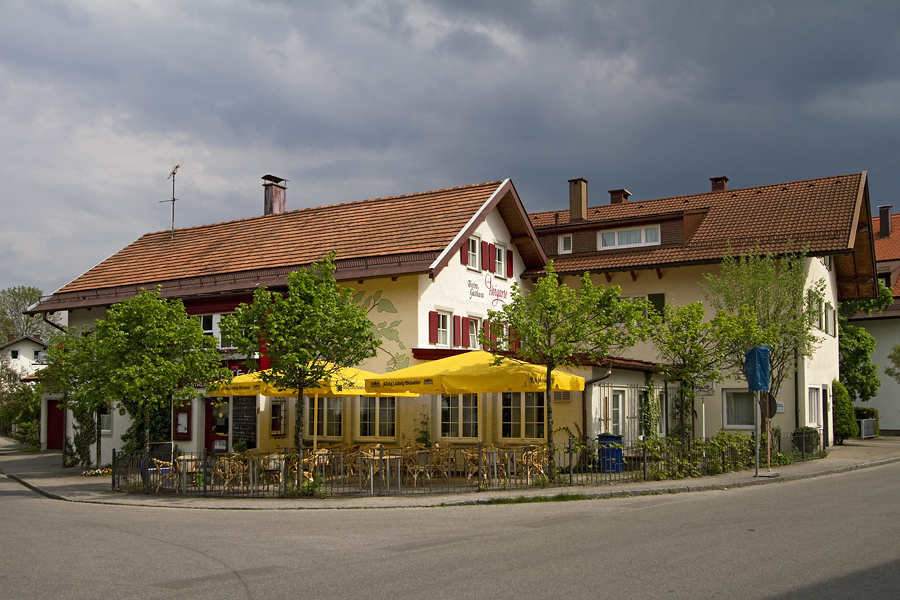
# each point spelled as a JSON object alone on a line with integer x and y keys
{"x": 531, "y": 499}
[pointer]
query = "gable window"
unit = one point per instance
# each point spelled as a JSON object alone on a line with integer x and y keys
{"x": 740, "y": 409}
{"x": 469, "y": 254}
{"x": 565, "y": 244}
{"x": 14, "y": 354}
{"x": 377, "y": 417}
{"x": 628, "y": 238}
{"x": 459, "y": 416}
{"x": 37, "y": 355}
{"x": 500, "y": 260}
{"x": 522, "y": 415}
{"x": 328, "y": 421}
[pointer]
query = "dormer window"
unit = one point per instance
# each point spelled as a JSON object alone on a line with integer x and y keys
{"x": 631, "y": 237}
{"x": 565, "y": 244}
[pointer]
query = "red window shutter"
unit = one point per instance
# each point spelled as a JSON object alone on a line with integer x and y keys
{"x": 492, "y": 258}
{"x": 484, "y": 256}
{"x": 509, "y": 264}
{"x": 513, "y": 340}
{"x": 456, "y": 332}
{"x": 486, "y": 328}
{"x": 464, "y": 332}
{"x": 464, "y": 253}
{"x": 432, "y": 327}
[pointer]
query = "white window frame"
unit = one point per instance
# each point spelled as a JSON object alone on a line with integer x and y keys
{"x": 561, "y": 241}
{"x": 331, "y": 409}
{"x": 474, "y": 258}
{"x": 213, "y": 329}
{"x": 460, "y": 409}
{"x": 616, "y": 232}
{"x": 519, "y": 403}
{"x": 829, "y": 319}
{"x": 444, "y": 329}
{"x": 726, "y": 414}
{"x": 384, "y": 429}
{"x": 474, "y": 324}
{"x": 617, "y": 411}
{"x": 500, "y": 260}
{"x": 813, "y": 405}
{"x": 106, "y": 421}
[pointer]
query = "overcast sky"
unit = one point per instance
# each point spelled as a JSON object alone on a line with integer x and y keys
{"x": 356, "y": 100}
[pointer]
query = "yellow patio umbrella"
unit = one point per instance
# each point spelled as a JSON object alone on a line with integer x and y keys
{"x": 472, "y": 372}
{"x": 346, "y": 382}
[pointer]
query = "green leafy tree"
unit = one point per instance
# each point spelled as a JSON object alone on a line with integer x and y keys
{"x": 146, "y": 354}
{"x": 762, "y": 299}
{"x": 76, "y": 372}
{"x": 20, "y": 406}
{"x": 308, "y": 334}
{"x": 845, "y": 425}
{"x": 14, "y": 302}
{"x": 858, "y": 373}
{"x": 690, "y": 352}
{"x": 556, "y": 325}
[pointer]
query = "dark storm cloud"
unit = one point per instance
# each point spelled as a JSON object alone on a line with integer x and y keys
{"x": 352, "y": 100}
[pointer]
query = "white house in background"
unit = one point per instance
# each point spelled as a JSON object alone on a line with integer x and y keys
{"x": 26, "y": 354}
{"x": 662, "y": 249}
{"x": 885, "y": 326}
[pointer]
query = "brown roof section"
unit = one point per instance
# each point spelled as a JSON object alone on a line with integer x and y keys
{"x": 373, "y": 238}
{"x": 887, "y": 248}
{"x": 830, "y": 215}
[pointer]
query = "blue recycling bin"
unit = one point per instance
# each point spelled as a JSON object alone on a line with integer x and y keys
{"x": 610, "y": 452}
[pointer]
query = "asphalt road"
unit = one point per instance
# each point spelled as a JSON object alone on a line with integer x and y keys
{"x": 828, "y": 537}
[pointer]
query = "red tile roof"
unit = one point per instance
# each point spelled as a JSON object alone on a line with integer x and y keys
{"x": 887, "y": 248}
{"x": 378, "y": 237}
{"x": 822, "y": 214}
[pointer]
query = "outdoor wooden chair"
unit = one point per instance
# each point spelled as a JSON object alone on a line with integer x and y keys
{"x": 418, "y": 464}
{"x": 166, "y": 473}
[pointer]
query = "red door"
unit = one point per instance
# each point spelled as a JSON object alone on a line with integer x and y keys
{"x": 56, "y": 425}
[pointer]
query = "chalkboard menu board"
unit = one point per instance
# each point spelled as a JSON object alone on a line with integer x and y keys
{"x": 243, "y": 425}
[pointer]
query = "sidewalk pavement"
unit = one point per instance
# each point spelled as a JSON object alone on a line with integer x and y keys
{"x": 43, "y": 473}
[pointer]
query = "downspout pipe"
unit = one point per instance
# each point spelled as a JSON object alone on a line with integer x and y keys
{"x": 48, "y": 322}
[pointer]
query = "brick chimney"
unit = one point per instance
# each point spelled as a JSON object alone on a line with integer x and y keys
{"x": 719, "y": 184}
{"x": 884, "y": 219}
{"x": 618, "y": 196}
{"x": 578, "y": 199}
{"x": 274, "y": 194}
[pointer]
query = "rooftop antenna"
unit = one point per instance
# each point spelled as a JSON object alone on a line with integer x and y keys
{"x": 172, "y": 177}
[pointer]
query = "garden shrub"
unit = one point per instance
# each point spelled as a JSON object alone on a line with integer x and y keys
{"x": 845, "y": 425}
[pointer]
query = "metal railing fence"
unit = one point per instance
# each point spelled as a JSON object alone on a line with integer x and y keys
{"x": 379, "y": 470}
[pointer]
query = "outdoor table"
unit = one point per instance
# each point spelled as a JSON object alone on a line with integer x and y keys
{"x": 382, "y": 465}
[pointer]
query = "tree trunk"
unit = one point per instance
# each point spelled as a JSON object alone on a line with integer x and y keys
{"x": 551, "y": 451}
{"x": 147, "y": 430}
{"x": 298, "y": 433}
{"x": 99, "y": 435}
